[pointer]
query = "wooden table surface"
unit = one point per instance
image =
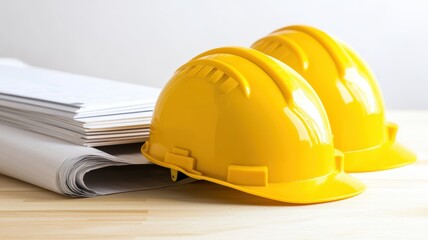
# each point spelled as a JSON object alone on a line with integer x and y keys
{"x": 394, "y": 206}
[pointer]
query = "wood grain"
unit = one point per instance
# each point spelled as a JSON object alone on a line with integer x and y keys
{"x": 395, "y": 206}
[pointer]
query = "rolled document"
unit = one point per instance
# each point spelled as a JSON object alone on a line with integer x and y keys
{"x": 75, "y": 170}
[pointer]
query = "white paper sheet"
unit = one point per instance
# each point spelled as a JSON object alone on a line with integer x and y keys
{"x": 88, "y": 93}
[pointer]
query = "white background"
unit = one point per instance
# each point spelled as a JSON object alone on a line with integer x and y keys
{"x": 145, "y": 41}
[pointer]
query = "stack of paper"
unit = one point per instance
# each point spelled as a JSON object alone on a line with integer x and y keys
{"x": 40, "y": 108}
{"x": 83, "y": 110}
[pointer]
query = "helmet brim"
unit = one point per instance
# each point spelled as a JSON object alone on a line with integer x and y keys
{"x": 334, "y": 186}
{"x": 387, "y": 156}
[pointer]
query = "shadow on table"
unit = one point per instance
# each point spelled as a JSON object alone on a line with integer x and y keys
{"x": 197, "y": 192}
{"x": 206, "y": 192}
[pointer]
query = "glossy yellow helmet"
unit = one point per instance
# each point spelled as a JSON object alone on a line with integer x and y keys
{"x": 349, "y": 93}
{"x": 237, "y": 117}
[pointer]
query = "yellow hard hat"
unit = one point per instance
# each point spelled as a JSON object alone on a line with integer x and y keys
{"x": 237, "y": 117}
{"x": 349, "y": 93}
